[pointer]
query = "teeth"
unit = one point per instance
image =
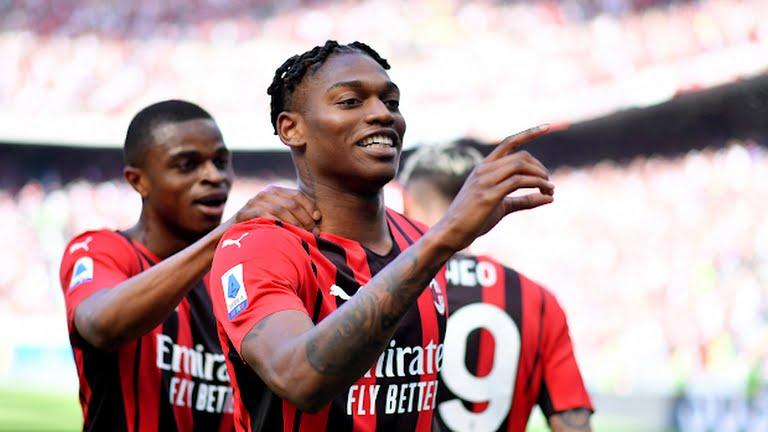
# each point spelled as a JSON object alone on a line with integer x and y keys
{"x": 377, "y": 141}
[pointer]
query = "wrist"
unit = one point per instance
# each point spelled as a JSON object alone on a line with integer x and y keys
{"x": 437, "y": 242}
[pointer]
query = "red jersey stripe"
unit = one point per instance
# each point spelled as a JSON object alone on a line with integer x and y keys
{"x": 430, "y": 336}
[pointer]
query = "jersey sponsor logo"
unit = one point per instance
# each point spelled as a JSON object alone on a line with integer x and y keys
{"x": 497, "y": 386}
{"x": 437, "y": 296}
{"x": 410, "y": 362}
{"x": 470, "y": 273}
{"x": 233, "y": 242}
{"x": 201, "y": 381}
{"x": 82, "y": 271}
{"x": 234, "y": 291}
{"x": 398, "y": 398}
{"x": 339, "y": 292}
{"x": 80, "y": 245}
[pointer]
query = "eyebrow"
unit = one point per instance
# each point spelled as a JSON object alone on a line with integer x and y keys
{"x": 184, "y": 154}
{"x": 194, "y": 153}
{"x": 357, "y": 84}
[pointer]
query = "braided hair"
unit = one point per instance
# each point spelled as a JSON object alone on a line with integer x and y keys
{"x": 290, "y": 74}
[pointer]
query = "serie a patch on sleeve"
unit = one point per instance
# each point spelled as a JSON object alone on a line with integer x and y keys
{"x": 81, "y": 272}
{"x": 234, "y": 291}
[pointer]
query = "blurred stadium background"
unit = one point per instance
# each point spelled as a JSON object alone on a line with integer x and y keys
{"x": 657, "y": 244}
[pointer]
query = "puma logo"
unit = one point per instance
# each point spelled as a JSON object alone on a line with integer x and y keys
{"x": 336, "y": 291}
{"x": 80, "y": 245}
{"x": 230, "y": 242}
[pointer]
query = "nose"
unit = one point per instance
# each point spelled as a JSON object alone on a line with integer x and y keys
{"x": 379, "y": 113}
{"x": 214, "y": 175}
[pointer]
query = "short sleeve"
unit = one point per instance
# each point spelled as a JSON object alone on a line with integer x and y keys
{"x": 257, "y": 270}
{"x": 92, "y": 261}
{"x": 562, "y": 388}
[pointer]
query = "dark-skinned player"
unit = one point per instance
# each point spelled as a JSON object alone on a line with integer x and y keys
{"x": 140, "y": 321}
{"x": 343, "y": 330}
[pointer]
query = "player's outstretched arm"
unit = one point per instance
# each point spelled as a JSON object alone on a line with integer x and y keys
{"x": 577, "y": 420}
{"x": 135, "y": 306}
{"x": 309, "y": 365}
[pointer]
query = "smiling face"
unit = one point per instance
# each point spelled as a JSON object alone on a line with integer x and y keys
{"x": 187, "y": 175}
{"x": 346, "y": 126}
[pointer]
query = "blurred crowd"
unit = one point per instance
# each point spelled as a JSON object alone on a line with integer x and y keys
{"x": 662, "y": 268}
{"x": 146, "y": 18}
{"x": 114, "y": 57}
{"x": 660, "y": 264}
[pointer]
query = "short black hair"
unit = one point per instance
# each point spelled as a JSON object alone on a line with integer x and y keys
{"x": 139, "y": 135}
{"x": 446, "y": 166}
{"x": 290, "y": 74}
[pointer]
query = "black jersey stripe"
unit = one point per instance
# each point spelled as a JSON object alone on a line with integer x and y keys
{"x": 144, "y": 264}
{"x": 402, "y": 232}
{"x": 263, "y": 407}
{"x": 413, "y": 225}
{"x": 345, "y": 279}
{"x": 203, "y": 328}
{"x": 105, "y": 407}
{"x": 345, "y": 276}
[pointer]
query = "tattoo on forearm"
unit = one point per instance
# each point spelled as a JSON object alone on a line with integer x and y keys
{"x": 577, "y": 419}
{"x": 364, "y": 325}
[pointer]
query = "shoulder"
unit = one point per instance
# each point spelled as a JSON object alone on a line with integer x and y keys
{"x": 95, "y": 239}
{"x": 104, "y": 249}
{"x": 102, "y": 242}
{"x": 259, "y": 237}
{"x": 258, "y": 233}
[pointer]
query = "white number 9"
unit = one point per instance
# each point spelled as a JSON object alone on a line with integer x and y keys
{"x": 497, "y": 387}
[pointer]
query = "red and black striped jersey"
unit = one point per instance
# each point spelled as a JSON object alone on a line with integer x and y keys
{"x": 172, "y": 378}
{"x": 262, "y": 267}
{"x": 507, "y": 349}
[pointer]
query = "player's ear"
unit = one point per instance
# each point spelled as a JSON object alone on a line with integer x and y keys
{"x": 290, "y": 128}
{"x": 137, "y": 179}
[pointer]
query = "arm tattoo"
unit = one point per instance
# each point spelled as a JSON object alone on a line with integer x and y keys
{"x": 356, "y": 333}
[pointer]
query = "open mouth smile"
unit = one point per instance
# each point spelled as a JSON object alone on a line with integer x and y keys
{"x": 377, "y": 141}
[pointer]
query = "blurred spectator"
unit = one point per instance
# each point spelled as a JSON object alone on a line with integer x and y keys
{"x": 111, "y": 57}
{"x": 661, "y": 266}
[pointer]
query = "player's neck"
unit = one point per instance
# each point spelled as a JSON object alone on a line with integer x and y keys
{"x": 157, "y": 237}
{"x": 352, "y": 215}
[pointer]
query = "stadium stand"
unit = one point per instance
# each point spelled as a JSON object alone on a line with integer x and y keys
{"x": 657, "y": 244}
{"x": 108, "y": 65}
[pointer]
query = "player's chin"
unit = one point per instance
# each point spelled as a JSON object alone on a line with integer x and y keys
{"x": 380, "y": 173}
{"x": 376, "y": 180}
{"x": 203, "y": 224}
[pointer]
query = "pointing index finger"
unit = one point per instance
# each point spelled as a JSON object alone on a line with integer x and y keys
{"x": 512, "y": 142}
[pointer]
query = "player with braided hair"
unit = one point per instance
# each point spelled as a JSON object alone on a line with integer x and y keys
{"x": 343, "y": 329}
{"x": 291, "y": 72}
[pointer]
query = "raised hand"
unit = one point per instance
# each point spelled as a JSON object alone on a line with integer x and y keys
{"x": 483, "y": 201}
{"x": 287, "y": 205}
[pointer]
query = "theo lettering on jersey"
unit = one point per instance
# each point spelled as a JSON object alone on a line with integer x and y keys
{"x": 395, "y": 361}
{"x": 196, "y": 367}
{"x": 469, "y": 273}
